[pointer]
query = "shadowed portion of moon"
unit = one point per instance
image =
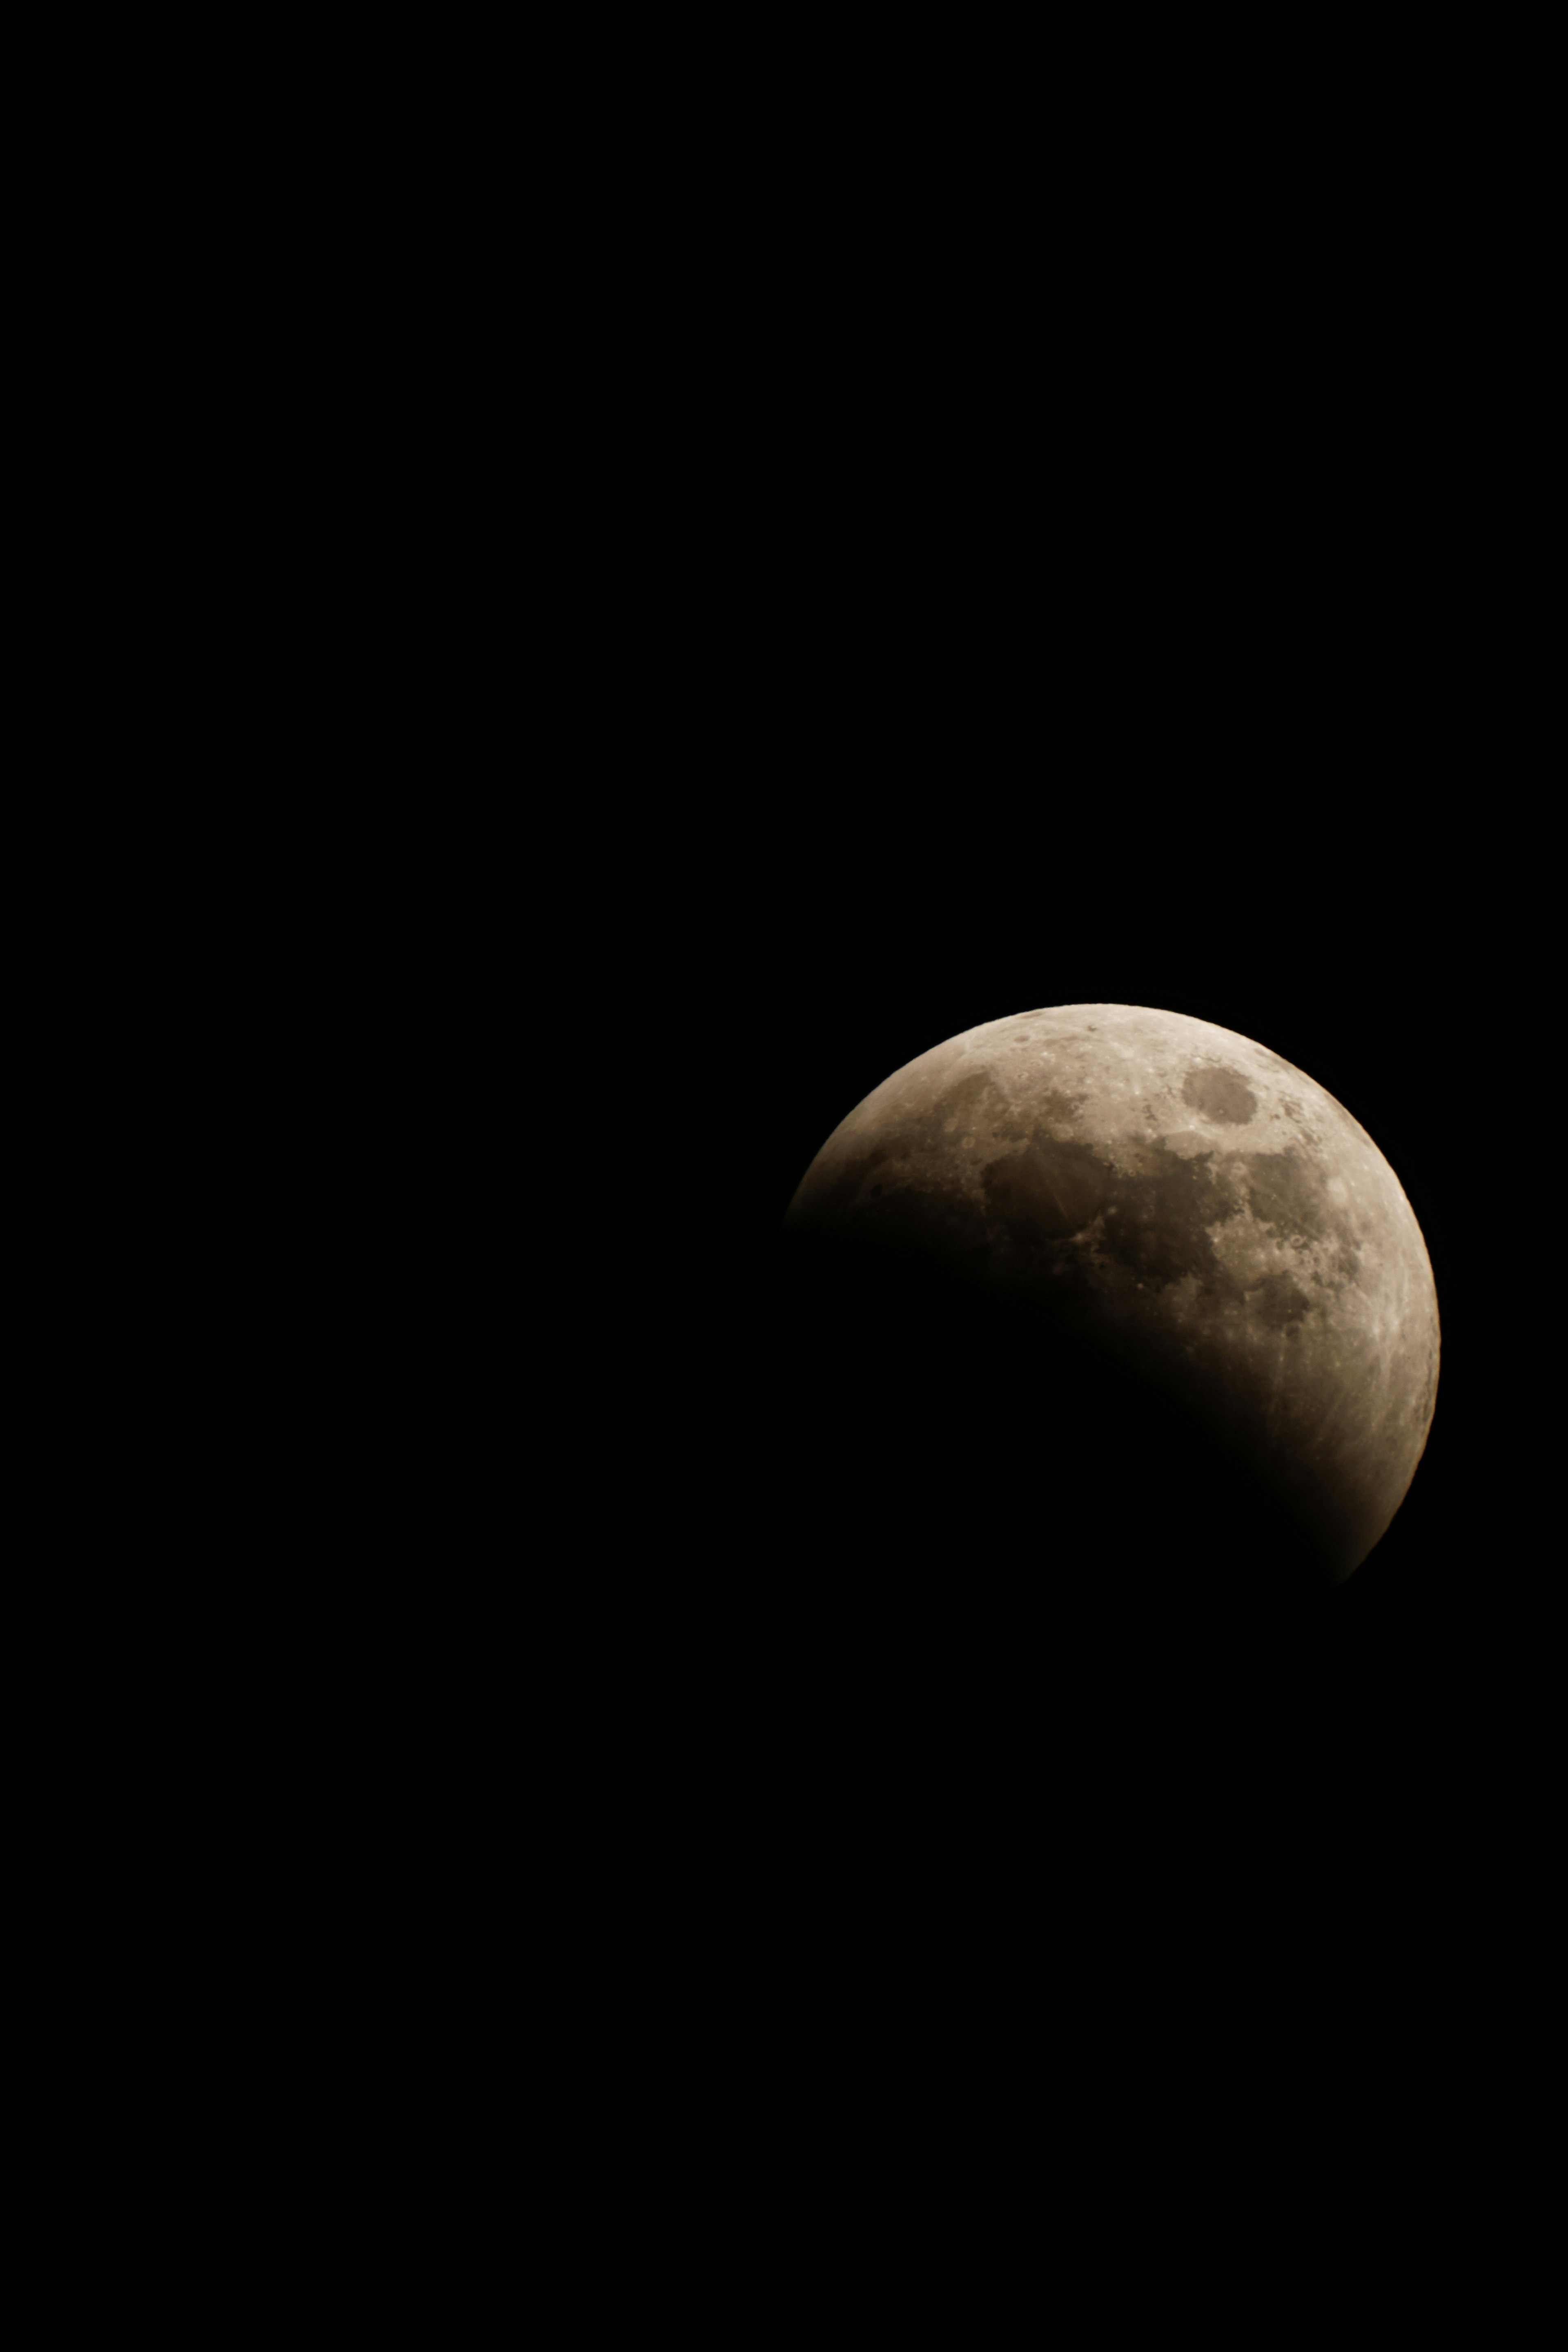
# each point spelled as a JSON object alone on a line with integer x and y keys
{"x": 1046, "y": 1191}
{"x": 1113, "y": 1327}
{"x": 990, "y": 1466}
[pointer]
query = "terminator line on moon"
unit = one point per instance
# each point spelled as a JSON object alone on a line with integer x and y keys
{"x": 1171, "y": 1193}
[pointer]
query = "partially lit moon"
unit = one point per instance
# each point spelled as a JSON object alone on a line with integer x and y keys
{"x": 1125, "y": 1278}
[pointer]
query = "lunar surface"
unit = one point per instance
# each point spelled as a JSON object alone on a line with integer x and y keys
{"x": 1121, "y": 1290}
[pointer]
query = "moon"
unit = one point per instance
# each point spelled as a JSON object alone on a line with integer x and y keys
{"x": 1122, "y": 1290}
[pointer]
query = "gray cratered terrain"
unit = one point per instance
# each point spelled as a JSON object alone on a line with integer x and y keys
{"x": 1104, "y": 1193}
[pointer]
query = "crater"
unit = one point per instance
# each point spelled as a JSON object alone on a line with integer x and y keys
{"x": 1219, "y": 1094}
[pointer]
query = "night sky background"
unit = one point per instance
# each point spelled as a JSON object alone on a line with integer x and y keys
{"x": 998, "y": 772}
{"x": 1040, "y": 600}
{"x": 819, "y": 553}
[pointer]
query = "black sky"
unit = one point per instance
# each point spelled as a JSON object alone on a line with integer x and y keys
{"x": 1017, "y": 571}
{"x": 1009, "y": 644}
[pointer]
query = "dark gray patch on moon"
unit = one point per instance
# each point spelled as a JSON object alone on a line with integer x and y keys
{"x": 976, "y": 1101}
{"x": 1277, "y": 1302}
{"x": 1046, "y": 1193}
{"x": 1287, "y": 1192}
{"x": 849, "y": 1179}
{"x": 923, "y": 1222}
{"x": 1219, "y": 1094}
{"x": 1155, "y": 1223}
{"x": 1056, "y": 1108}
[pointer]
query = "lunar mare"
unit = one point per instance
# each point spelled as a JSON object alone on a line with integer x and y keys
{"x": 1176, "y": 1198}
